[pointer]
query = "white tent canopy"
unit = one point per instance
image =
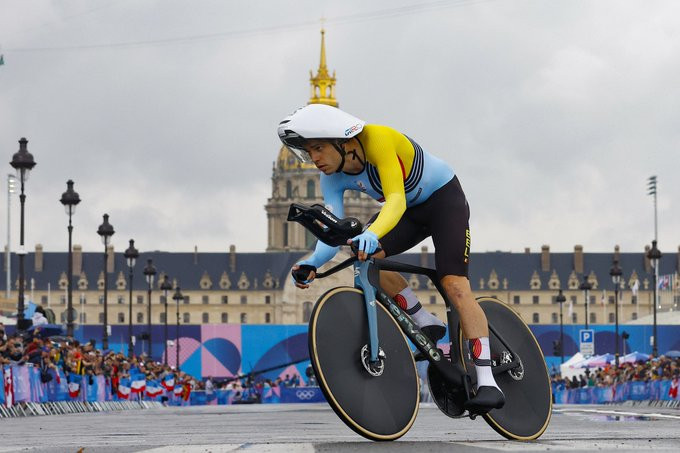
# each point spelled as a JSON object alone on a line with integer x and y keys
{"x": 566, "y": 369}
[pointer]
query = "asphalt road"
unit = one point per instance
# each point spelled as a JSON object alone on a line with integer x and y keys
{"x": 315, "y": 428}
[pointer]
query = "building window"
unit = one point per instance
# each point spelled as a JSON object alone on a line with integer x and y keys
{"x": 311, "y": 189}
{"x": 244, "y": 318}
{"x": 611, "y": 317}
{"x": 554, "y": 318}
{"x": 574, "y": 318}
{"x": 515, "y": 300}
{"x": 310, "y": 239}
{"x": 161, "y": 318}
{"x": 267, "y": 318}
{"x": 573, "y": 300}
{"x": 63, "y": 317}
{"x": 101, "y": 300}
{"x": 83, "y": 318}
{"x": 306, "y": 311}
{"x": 244, "y": 300}
{"x": 163, "y": 300}
{"x": 225, "y": 299}
{"x": 289, "y": 189}
{"x": 634, "y": 300}
{"x": 43, "y": 301}
{"x": 593, "y": 300}
{"x": 611, "y": 300}
{"x": 121, "y": 300}
{"x": 535, "y": 318}
{"x": 593, "y": 318}
{"x": 205, "y": 318}
{"x": 267, "y": 300}
{"x": 433, "y": 299}
{"x": 186, "y": 299}
{"x": 634, "y": 316}
{"x": 534, "y": 299}
{"x": 140, "y": 317}
{"x": 101, "y": 318}
{"x": 62, "y": 300}
{"x": 121, "y": 317}
{"x": 553, "y": 299}
{"x": 140, "y": 299}
{"x": 225, "y": 318}
{"x": 187, "y": 318}
{"x": 285, "y": 235}
{"x": 205, "y": 299}
{"x": 83, "y": 299}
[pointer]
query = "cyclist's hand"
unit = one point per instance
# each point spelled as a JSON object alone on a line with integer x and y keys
{"x": 367, "y": 243}
{"x": 303, "y": 274}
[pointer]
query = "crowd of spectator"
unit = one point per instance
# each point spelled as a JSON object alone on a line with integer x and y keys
{"x": 661, "y": 368}
{"x": 70, "y": 356}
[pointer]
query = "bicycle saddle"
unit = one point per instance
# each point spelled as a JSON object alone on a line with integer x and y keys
{"x": 328, "y": 228}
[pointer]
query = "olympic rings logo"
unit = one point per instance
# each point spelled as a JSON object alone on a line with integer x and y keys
{"x": 305, "y": 394}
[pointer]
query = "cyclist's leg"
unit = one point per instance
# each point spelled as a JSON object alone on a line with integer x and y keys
{"x": 448, "y": 217}
{"x": 406, "y": 234}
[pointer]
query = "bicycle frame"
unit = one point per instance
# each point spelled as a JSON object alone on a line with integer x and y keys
{"x": 367, "y": 278}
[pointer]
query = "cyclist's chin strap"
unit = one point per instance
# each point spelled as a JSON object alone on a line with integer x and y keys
{"x": 338, "y": 148}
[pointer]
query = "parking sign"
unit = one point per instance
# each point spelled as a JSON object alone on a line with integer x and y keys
{"x": 587, "y": 342}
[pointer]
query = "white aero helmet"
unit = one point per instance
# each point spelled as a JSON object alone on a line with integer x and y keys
{"x": 318, "y": 121}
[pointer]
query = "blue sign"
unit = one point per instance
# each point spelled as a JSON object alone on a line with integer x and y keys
{"x": 587, "y": 340}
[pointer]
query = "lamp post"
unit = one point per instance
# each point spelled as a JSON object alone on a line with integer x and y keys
{"x": 131, "y": 255}
{"x": 70, "y": 199}
{"x": 616, "y": 273}
{"x": 654, "y": 255}
{"x": 23, "y": 162}
{"x": 177, "y": 297}
{"x": 165, "y": 287}
{"x": 105, "y": 231}
{"x": 561, "y": 299}
{"x": 586, "y": 287}
{"x": 11, "y": 188}
{"x": 150, "y": 274}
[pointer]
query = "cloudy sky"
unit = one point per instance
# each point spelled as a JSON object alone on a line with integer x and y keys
{"x": 164, "y": 113}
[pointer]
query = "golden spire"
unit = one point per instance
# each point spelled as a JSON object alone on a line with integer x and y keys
{"x": 322, "y": 85}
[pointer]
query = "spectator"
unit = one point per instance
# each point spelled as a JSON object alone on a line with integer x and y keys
{"x": 39, "y": 318}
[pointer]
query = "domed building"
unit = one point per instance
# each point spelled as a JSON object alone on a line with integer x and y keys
{"x": 297, "y": 182}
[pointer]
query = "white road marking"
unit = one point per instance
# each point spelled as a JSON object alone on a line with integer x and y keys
{"x": 620, "y": 413}
{"x": 225, "y": 448}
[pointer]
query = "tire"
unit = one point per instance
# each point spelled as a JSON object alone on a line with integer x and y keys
{"x": 378, "y": 408}
{"x": 528, "y": 401}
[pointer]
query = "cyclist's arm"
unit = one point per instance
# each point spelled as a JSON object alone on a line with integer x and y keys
{"x": 332, "y": 197}
{"x": 392, "y": 180}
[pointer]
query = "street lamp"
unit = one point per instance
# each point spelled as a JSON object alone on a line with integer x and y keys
{"x": 165, "y": 287}
{"x": 131, "y": 255}
{"x": 11, "y": 188}
{"x": 105, "y": 231}
{"x": 616, "y": 273}
{"x": 177, "y": 297}
{"x": 70, "y": 199}
{"x": 561, "y": 299}
{"x": 23, "y": 162}
{"x": 150, "y": 274}
{"x": 586, "y": 287}
{"x": 654, "y": 255}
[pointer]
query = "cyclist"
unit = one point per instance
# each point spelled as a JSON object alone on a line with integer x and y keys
{"x": 422, "y": 197}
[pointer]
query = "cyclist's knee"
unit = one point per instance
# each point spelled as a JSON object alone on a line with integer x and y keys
{"x": 457, "y": 287}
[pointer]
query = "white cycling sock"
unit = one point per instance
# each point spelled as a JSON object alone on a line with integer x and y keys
{"x": 407, "y": 301}
{"x": 481, "y": 356}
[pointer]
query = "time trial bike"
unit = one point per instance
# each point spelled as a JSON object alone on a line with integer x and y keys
{"x": 366, "y": 368}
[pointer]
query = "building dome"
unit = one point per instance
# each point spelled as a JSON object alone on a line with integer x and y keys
{"x": 287, "y": 161}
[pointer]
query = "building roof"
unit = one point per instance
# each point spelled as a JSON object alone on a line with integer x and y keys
{"x": 256, "y": 268}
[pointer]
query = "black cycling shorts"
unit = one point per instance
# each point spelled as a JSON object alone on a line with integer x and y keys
{"x": 445, "y": 216}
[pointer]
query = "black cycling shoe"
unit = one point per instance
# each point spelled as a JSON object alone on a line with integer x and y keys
{"x": 487, "y": 398}
{"x": 434, "y": 332}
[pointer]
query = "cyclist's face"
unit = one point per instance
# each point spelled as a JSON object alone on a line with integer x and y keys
{"x": 324, "y": 155}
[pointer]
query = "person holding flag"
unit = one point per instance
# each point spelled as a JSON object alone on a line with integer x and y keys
{"x": 74, "y": 382}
